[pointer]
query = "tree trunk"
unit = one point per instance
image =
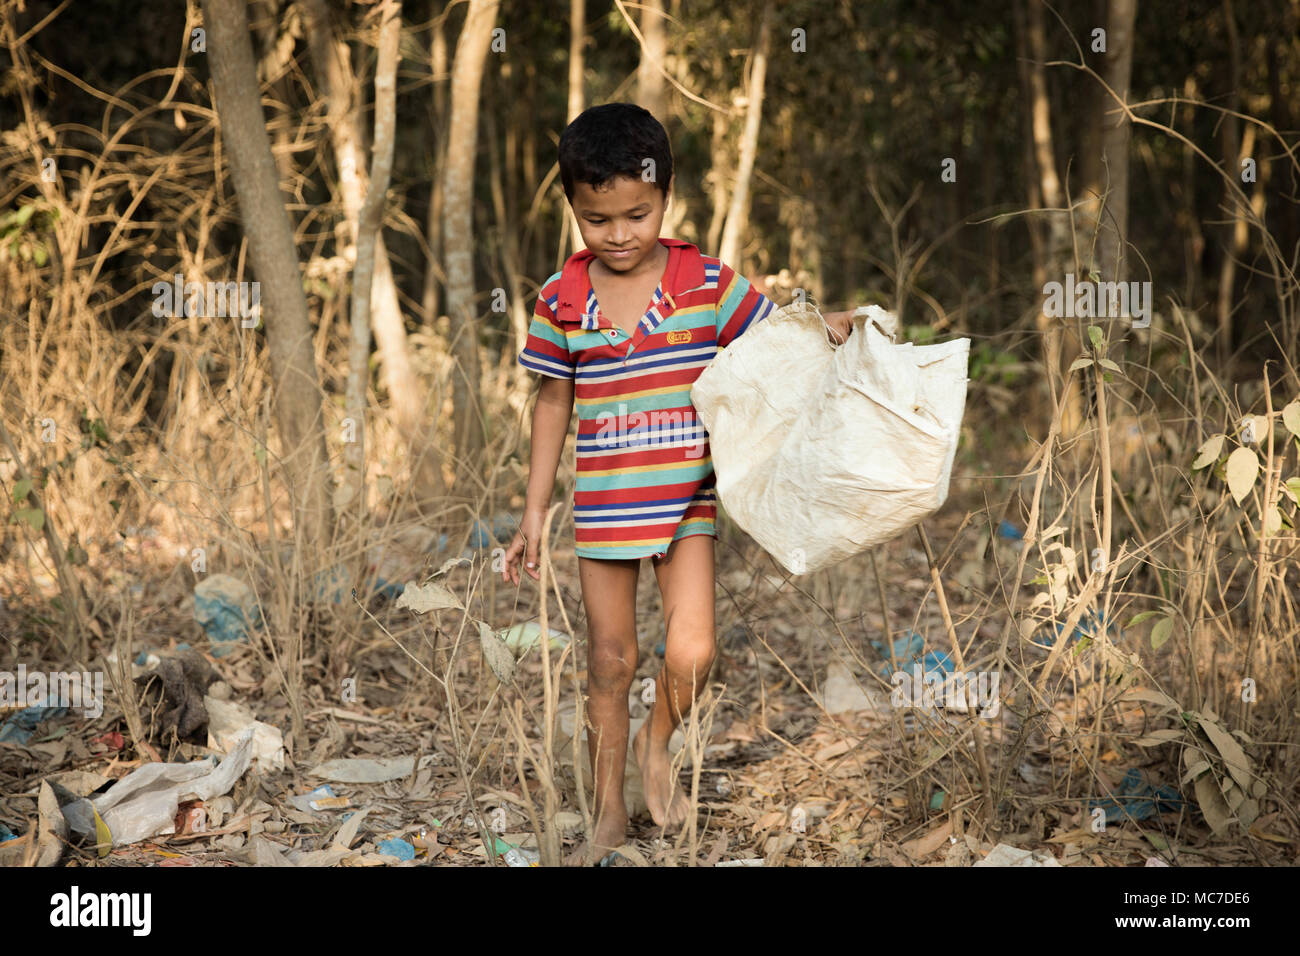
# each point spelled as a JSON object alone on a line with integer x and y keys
{"x": 297, "y": 392}
{"x": 369, "y": 221}
{"x": 650, "y": 88}
{"x": 433, "y": 276}
{"x": 333, "y": 66}
{"x": 1116, "y": 132}
{"x": 1056, "y": 332}
{"x": 1234, "y": 232}
{"x": 577, "y": 101}
{"x": 458, "y": 237}
{"x": 738, "y": 216}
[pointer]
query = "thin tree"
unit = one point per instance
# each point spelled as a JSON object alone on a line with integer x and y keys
{"x": 458, "y": 234}
{"x": 738, "y": 215}
{"x": 296, "y": 388}
{"x": 369, "y": 219}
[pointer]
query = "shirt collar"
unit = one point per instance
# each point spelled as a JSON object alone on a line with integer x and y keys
{"x": 685, "y": 271}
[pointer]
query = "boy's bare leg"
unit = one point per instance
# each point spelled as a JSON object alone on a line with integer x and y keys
{"x": 609, "y": 594}
{"x": 685, "y": 576}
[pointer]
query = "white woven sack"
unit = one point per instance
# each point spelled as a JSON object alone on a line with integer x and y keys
{"x": 822, "y": 451}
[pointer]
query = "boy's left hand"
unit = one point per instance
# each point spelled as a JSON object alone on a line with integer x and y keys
{"x": 840, "y": 325}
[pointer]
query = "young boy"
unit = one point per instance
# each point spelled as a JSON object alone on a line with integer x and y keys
{"x": 625, "y": 329}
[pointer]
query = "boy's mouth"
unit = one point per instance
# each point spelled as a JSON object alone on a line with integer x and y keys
{"x": 620, "y": 253}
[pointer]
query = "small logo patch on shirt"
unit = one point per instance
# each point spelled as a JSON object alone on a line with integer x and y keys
{"x": 679, "y": 337}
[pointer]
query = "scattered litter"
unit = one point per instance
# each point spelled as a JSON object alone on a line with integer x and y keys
{"x": 514, "y": 855}
{"x": 502, "y": 530}
{"x": 1009, "y": 532}
{"x": 905, "y": 648}
{"x": 332, "y": 584}
{"x": 842, "y": 694}
{"x": 322, "y": 798}
{"x": 1154, "y": 861}
{"x": 524, "y": 637}
{"x": 146, "y": 660}
{"x": 227, "y": 610}
{"x": 6, "y": 834}
{"x": 1088, "y": 627}
{"x": 398, "y": 848}
{"x": 227, "y": 721}
{"x": 661, "y": 648}
{"x": 369, "y": 770}
{"x": 1006, "y": 855}
{"x": 145, "y": 802}
{"x": 750, "y": 861}
{"x": 113, "y": 740}
{"x": 19, "y": 727}
{"x": 936, "y": 800}
{"x": 1136, "y": 798}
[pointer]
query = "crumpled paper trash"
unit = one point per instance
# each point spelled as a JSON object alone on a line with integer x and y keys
{"x": 144, "y": 803}
{"x": 1004, "y": 854}
{"x": 227, "y": 721}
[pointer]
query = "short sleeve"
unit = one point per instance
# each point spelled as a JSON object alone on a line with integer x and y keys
{"x": 740, "y": 305}
{"x": 547, "y": 348}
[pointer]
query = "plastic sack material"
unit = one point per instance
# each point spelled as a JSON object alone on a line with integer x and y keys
{"x": 822, "y": 451}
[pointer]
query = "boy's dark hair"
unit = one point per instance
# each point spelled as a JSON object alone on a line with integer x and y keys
{"x": 614, "y": 140}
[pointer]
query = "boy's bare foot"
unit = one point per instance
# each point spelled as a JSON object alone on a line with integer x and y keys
{"x": 667, "y": 803}
{"x": 611, "y": 833}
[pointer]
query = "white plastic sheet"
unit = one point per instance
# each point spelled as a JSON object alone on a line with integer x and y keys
{"x": 822, "y": 451}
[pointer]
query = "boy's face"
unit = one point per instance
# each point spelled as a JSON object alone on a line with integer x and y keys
{"x": 623, "y": 216}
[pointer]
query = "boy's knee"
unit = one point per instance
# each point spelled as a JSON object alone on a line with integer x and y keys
{"x": 691, "y": 653}
{"x": 611, "y": 666}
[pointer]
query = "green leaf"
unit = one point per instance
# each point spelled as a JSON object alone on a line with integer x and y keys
{"x": 1209, "y": 452}
{"x": 1292, "y": 487}
{"x": 1242, "y": 470}
{"x": 22, "y": 488}
{"x": 1107, "y": 363}
{"x": 33, "y": 516}
{"x": 1094, "y": 334}
{"x": 1078, "y": 364}
{"x": 1161, "y": 632}
{"x": 1272, "y": 522}
{"x": 1144, "y": 616}
{"x": 1291, "y": 417}
{"x": 260, "y": 454}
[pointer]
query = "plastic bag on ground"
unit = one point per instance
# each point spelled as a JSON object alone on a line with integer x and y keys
{"x": 822, "y": 452}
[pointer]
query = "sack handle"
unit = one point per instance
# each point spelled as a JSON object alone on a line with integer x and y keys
{"x": 886, "y": 322}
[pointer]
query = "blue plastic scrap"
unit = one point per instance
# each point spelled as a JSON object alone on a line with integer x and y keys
{"x": 1136, "y": 798}
{"x": 1089, "y": 626}
{"x": 398, "y": 848}
{"x": 19, "y": 727}
{"x": 907, "y": 652}
{"x": 1009, "y": 532}
{"x": 227, "y": 610}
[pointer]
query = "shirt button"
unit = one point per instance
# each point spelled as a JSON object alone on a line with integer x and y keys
{"x": 613, "y": 333}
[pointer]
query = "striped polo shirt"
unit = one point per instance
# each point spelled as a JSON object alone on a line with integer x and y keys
{"x": 644, "y": 473}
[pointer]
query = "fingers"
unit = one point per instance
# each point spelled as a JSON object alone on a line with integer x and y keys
{"x": 531, "y": 560}
{"x": 510, "y": 569}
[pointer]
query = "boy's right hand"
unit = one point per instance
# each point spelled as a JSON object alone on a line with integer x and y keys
{"x": 525, "y": 547}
